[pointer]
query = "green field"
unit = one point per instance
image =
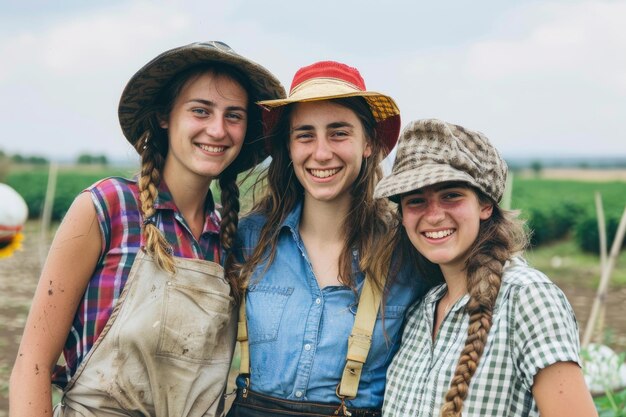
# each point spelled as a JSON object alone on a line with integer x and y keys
{"x": 556, "y": 210}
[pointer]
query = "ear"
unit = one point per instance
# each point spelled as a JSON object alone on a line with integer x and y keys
{"x": 163, "y": 121}
{"x": 485, "y": 211}
{"x": 367, "y": 152}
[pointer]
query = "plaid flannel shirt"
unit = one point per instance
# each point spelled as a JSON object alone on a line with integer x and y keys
{"x": 116, "y": 202}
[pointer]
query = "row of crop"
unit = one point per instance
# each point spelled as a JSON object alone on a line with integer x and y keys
{"x": 32, "y": 185}
{"x": 554, "y": 209}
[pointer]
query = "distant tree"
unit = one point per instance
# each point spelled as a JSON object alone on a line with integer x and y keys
{"x": 102, "y": 160}
{"x": 92, "y": 159}
{"x": 536, "y": 167}
{"x": 4, "y": 166}
{"x": 35, "y": 160}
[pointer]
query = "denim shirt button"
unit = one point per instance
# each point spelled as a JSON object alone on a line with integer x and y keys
{"x": 307, "y": 347}
{"x": 318, "y": 300}
{"x": 298, "y": 394}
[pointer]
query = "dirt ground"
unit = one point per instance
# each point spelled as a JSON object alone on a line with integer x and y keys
{"x": 19, "y": 275}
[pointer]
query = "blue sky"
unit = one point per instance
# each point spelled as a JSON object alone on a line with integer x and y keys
{"x": 539, "y": 78}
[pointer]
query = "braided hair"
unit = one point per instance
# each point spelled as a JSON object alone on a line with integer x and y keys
{"x": 499, "y": 237}
{"x": 152, "y": 147}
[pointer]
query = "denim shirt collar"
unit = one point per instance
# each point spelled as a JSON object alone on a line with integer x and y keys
{"x": 292, "y": 221}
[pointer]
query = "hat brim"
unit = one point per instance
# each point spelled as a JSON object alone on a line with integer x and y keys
{"x": 383, "y": 108}
{"x": 395, "y": 185}
{"x": 326, "y": 88}
{"x": 143, "y": 88}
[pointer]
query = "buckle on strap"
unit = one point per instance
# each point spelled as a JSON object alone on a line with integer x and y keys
{"x": 246, "y": 387}
{"x": 342, "y": 407}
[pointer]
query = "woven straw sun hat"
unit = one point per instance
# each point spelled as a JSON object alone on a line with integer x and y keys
{"x": 145, "y": 86}
{"x": 326, "y": 80}
{"x": 432, "y": 151}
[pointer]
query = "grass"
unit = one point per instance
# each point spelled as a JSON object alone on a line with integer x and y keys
{"x": 565, "y": 263}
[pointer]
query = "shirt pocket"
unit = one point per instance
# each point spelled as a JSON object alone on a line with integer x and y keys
{"x": 385, "y": 341}
{"x": 193, "y": 323}
{"x": 265, "y": 306}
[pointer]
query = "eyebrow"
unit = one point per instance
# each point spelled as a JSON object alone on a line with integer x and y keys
{"x": 334, "y": 125}
{"x": 210, "y": 103}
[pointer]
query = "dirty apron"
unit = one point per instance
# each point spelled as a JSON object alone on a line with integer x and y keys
{"x": 166, "y": 349}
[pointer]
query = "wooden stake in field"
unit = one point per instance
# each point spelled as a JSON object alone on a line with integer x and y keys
{"x": 599, "y": 326}
{"x": 605, "y": 278}
{"x": 46, "y": 214}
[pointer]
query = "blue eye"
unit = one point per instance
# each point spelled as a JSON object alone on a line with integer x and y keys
{"x": 235, "y": 116}
{"x": 200, "y": 111}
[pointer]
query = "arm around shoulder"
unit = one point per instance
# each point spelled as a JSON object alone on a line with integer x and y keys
{"x": 71, "y": 261}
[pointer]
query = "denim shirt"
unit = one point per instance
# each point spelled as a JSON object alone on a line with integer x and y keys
{"x": 298, "y": 333}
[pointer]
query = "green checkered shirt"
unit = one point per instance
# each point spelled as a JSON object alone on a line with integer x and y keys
{"x": 533, "y": 327}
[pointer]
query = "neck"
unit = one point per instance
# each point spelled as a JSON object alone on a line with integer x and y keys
{"x": 324, "y": 219}
{"x": 456, "y": 281}
{"x": 188, "y": 192}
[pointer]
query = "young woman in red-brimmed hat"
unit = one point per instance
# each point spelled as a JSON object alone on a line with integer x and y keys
{"x": 309, "y": 247}
{"x": 133, "y": 291}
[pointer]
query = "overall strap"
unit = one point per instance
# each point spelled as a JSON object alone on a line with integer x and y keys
{"x": 360, "y": 340}
{"x": 242, "y": 338}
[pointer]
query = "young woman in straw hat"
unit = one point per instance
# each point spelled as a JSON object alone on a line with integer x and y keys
{"x": 309, "y": 246}
{"x": 133, "y": 291}
{"x": 497, "y": 337}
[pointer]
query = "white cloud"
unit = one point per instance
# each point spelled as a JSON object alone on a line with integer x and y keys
{"x": 537, "y": 77}
{"x": 585, "y": 40}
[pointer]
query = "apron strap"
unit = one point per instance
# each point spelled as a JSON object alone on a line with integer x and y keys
{"x": 360, "y": 340}
{"x": 242, "y": 338}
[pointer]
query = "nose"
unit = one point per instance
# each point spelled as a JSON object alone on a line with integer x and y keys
{"x": 434, "y": 213}
{"x": 323, "y": 151}
{"x": 216, "y": 128}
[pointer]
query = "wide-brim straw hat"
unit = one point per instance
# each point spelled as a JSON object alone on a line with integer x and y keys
{"x": 432, "y": 151}
{"x": 144, "y": 87}
{"x": 326, "y": 80}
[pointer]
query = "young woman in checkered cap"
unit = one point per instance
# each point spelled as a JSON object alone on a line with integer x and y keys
{"x": 496, "y": 338}
{"x": 309, "y": 244}
{"x": 133, "y": 291}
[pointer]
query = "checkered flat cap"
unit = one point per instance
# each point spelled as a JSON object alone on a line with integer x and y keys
{"x": 432, "y": 151}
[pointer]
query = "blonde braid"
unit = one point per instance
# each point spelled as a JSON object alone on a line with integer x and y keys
{"x": 152, "y": 162}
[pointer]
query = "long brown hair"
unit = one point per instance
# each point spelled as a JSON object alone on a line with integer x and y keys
{"x": 366, "y": 222}
{"x": 499, "y": 237}
{"x": 152, "y": 146}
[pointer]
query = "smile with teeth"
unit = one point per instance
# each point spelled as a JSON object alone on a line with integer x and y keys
{"x": 212, "y": 149}
{"x": 439, "y": 234}
{"x": 324, "y": 173}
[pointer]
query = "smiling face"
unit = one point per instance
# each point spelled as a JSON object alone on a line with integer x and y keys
{"x": 442, "y": 221}
{"x": 327, "y": 145}
{"x": 206, "y": 126}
